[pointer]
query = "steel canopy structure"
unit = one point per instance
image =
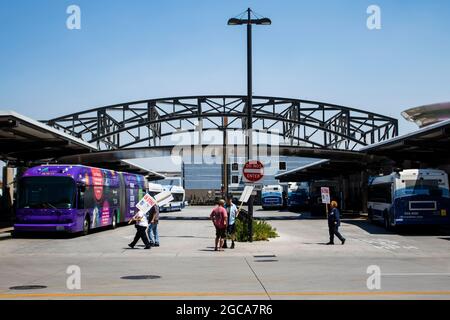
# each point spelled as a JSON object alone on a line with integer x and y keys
{"x": 303, "y": 123}
{"x": 26, "y": 142}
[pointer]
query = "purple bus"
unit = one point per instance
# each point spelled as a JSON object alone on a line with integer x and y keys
{"x": 75, "y": 198}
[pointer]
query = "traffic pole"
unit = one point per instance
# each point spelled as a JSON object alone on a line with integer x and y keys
{"x": 249, "y": 116}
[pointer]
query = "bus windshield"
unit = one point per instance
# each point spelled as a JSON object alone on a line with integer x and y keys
{"x": 421, "y": 186}
{"x": 46, "y": 193}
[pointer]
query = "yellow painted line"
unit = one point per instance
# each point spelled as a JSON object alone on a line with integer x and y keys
{"x": 222, "y": 294}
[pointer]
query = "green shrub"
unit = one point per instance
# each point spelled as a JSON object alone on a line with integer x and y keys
{"x": 261, "y": 231}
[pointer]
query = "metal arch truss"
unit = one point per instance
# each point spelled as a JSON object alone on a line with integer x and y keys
{"x": 300, "y": 122}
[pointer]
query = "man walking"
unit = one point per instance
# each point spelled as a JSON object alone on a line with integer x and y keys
{"x": 219, "y": 219}
{"x": 232, "y": 213}
{"x": 141, "y": 228}
{"x": 153, "y": 226}
{"x": 334, "y": 221}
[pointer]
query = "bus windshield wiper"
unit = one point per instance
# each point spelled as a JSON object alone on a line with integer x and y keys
{"x": 49, "y": 205}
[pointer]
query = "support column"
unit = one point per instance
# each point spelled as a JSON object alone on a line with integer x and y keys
{"x": 7, "y": 200}
{"x": 364, "y": 189}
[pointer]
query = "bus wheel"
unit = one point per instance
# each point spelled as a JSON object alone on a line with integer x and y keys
{"x": 114, "y": 221}
{"x": 370, "y": 216}
{"x": 86, "y": 226}
{"x": 387, "y": 222}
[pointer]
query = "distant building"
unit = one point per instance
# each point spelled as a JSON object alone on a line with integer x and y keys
{"x": 203, "y": 182}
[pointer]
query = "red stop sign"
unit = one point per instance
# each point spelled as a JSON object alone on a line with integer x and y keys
{"x": 253, "y": 171}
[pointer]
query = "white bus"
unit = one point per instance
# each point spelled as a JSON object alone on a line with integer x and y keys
{"x": 409, "y": 197}
{"x": 174, "y": 185}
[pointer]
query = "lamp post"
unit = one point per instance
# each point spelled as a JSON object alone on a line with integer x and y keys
{"x": 248, "y": 135}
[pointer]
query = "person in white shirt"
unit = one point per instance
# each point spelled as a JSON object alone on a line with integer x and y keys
{"x": 141, "y": 230}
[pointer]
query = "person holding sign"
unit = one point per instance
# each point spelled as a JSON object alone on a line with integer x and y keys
{"x": 219, "y": 218}
{"x": 334, "y": 221}
{"x": 141, "y": 228}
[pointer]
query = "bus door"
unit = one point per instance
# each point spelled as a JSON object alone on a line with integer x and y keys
{"x": 122, "y": 198}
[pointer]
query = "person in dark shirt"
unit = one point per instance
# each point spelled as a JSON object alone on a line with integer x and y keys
{"x": 334, "y": 221}
{"x": 153, "y": 219}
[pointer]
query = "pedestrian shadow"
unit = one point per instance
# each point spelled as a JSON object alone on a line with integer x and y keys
{"x": 187, "y": 237}
{"x": 268, "y": 218}
{"x": 207, "y": 249}
{"x": 316, "y": 243}
{"x": 136, "y": 247}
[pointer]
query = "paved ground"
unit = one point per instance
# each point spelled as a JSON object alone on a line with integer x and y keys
{"x": 296, "y": 265}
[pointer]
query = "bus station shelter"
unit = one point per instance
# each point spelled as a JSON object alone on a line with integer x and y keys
{"x": 25, "y": 142}
{"x": 428, "y": 147}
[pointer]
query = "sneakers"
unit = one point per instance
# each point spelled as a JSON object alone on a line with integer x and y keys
{"x": 343, "y": 241}
{"x": 156, "y": 245}
{"x": 148, "y": 247}
{"x": 131, "y": 246}
{"x": 330, "y": 243}
{"x": 232, "y": 245}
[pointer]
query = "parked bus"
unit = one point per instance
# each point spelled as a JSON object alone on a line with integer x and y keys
{"x": 298, "y": 196}
{"x": 75, "y": 198}
{"x": 409, "y": 197}
{"x": 272, "y": 196}
{"x": 174, "y": 185}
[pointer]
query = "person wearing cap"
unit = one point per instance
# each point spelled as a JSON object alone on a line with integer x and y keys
{"x": 219, "y": 218}
{"x": 141, "y": 228}
{"x": 334, "y": 221}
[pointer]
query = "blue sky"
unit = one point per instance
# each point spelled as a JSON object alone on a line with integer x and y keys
{"x": 130, "y": 50}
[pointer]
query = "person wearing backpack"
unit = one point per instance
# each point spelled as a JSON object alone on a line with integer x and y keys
{"x": 219, "y": 218}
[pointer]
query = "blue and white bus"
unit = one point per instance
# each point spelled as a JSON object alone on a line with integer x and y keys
{"x": 298, "y": 196}
{"x": 409, "y": 197}
{"x": 272, "y": 197}
{"x": 174, "y": 185}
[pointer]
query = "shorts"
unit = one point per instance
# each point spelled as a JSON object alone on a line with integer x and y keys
{"x": 231, "y": 228}
{"x": 221, "y": 232}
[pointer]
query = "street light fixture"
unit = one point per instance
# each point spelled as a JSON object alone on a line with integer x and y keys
{"x": 249, "y": 143}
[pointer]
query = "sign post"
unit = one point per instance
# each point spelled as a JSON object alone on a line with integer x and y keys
{"x": 252, "y": 172}
{"x": 326, "y": 199}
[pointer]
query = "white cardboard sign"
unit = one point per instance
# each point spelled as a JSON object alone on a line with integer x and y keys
{"x": 164, "y": 198}
{"x": 146, "y": 203}
{"x": 325, "y": 192}
{"x": 246, "y": 193}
